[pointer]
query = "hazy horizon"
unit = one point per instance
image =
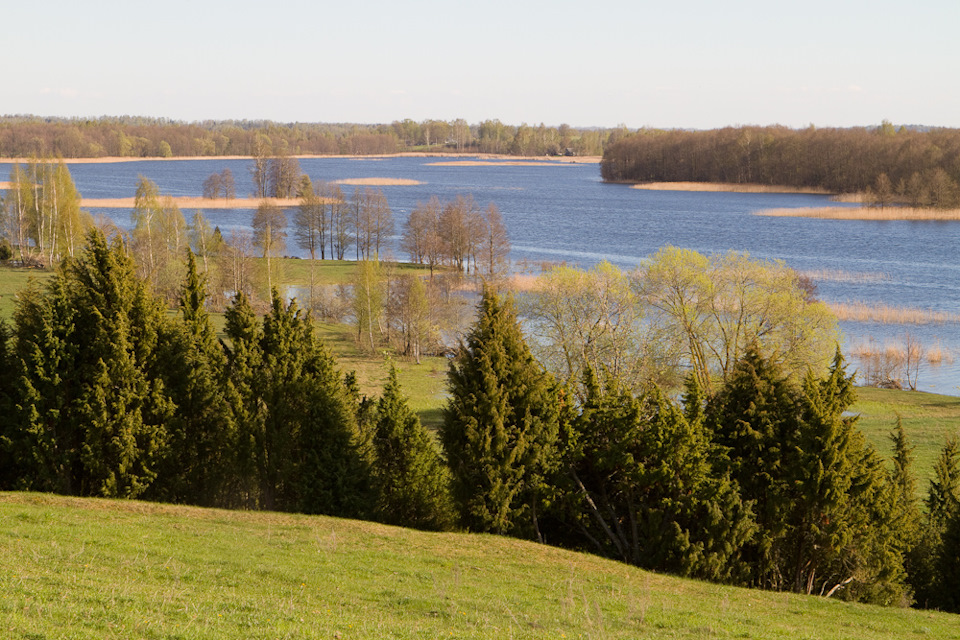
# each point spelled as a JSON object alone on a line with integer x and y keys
{"x": 702, "y": 65}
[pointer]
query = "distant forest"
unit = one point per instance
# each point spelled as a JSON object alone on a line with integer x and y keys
{"x": 34, "y": 136}
{"x": 914, "y": 166}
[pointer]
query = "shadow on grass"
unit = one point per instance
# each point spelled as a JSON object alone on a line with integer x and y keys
{"x": 431, "y": 418}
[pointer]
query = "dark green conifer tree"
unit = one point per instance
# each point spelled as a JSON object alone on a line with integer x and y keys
{"x": 93, "y": 406}
{"x": 197, "y": 464}
{"x": 500, "y": 425}
{"x": 413, "y": 483}
{"x": 11, "y": 471}
{"x": 926, "y": 568}
{"x": 244, "y": 359}
{"x": 295, "y": 423}
{"x": 755, "y": 420}
{"x": 948, "y": 565}
{"x": 821, "y": 493}
{"x": 904, "y": 510}
{"x": 644, "y": 490}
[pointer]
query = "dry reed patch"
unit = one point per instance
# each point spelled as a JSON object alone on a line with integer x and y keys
{"x": 379, "y": 182}
{"x": 838, "y": 275}
{"x": 937, "y": 354}
{"x": 884, "y": 314}
{"x": 190, "y": 202}
{"x": 850, "y": 198}
{"x": 724, "y": 187}
{"x": 523, "y": 282}
{"x": 865, "y": 213}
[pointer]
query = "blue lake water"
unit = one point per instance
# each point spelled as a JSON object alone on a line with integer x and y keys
{"x": 565, "y": 213}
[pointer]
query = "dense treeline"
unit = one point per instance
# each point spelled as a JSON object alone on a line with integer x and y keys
{"x": 34, "y": 136}
{"x": 762, "y": 480}
{"x": 921, "y": 168}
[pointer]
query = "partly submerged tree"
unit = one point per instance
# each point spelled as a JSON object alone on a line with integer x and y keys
{"x": 592, "y": 319}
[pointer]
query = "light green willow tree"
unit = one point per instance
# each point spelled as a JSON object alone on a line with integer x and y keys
{"x": 718, "y": 306}
{"x": 591, "y": 319}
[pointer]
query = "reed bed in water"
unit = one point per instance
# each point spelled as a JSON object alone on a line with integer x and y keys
{"x": 863, "y": 312}
{"x": 935, "y": 354}
{"x": 864, "y": 213}
{"x": 838, "y": 275}
{"x": 725, "y": 187}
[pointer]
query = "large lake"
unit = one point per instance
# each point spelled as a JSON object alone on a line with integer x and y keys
{"x": 565, "y": 213}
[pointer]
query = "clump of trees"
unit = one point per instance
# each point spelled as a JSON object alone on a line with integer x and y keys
{"x": 680, "y": 310}
{"x": 220, "y": 185}
{"x": 765, "y": 482}
{"x": 105, "y": 394}
{"x": 458, "y": 234}
{"x": 41, "y": 212}
{"x": 916, "y": 167}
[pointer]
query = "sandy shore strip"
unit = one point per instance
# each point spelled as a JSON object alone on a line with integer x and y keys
{"x": 723, "y": 187}
{"x": 190, "y": 202}
{"x": 4, "y": 185}
{"x": 378, "y": 182}
{"x": 864, "y": 213}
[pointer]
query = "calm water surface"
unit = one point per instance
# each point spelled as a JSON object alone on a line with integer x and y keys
{"x": 565, "y": 213}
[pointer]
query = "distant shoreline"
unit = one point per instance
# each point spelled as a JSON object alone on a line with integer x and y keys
{"x": 408, "y": 154}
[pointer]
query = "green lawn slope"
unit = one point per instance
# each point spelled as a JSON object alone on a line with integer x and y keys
{"x": 928, "y": 420}
{"x": 83, "y": 568}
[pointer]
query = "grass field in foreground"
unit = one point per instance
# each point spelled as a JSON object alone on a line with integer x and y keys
{"x": 83, "y": 568}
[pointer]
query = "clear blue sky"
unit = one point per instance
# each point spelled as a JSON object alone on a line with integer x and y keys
{"x": 679, "y": 63}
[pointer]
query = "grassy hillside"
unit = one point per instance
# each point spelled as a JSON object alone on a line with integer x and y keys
{"x": 73, "y": 568}
{"x": 927, "y": 418}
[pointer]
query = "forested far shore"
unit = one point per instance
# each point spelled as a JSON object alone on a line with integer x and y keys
{"x": 890, "y": 165}
{"x": 132, "y": 137}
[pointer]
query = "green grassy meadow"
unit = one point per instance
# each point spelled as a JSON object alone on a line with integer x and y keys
{"x": 13, "y": 280}
{"x": 928, "y": 420}
{"x": 85, "y": 568}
